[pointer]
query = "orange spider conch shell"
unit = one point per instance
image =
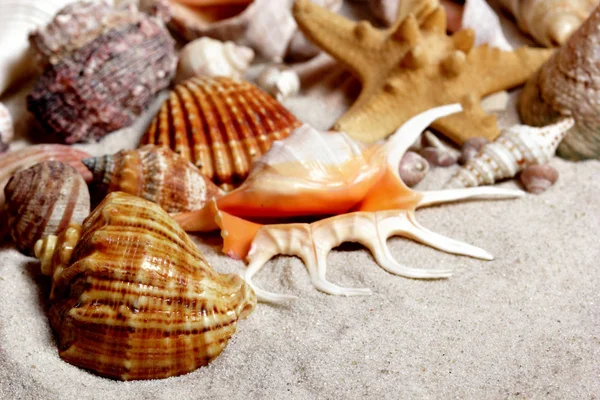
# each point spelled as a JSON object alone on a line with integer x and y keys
{"x": 133, "y": 298}
{"x": 346, "y": 191}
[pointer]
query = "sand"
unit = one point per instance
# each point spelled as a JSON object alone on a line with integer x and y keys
{"x": 526, "y": 325}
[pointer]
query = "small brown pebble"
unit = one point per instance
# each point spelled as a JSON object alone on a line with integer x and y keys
{"x": 413, "y": 168}
{"x": 538, "y": 178}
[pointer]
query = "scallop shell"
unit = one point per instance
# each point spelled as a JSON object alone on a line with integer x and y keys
{"x": 550, "y": 22}
{"x": 154, "y": 173}
{"x": 221, "y": 125}
{"x": 7, "y": 130}
{"x": 210, "y": 57}
{"x": 516, "y": 148}
{"x": 89, "y": 91}
{"x": 43, "y": 200}
{"x": 133, "y": 298}
{"x": 568, "y": 86}
{"x": 18, "y": 19}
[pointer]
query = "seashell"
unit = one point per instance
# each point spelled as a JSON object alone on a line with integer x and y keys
{"x": 279, "y": 82}
{"x": 437, "y": 153}
{"x": 538, "y": 178}
{"x": 89, "y": 91}
{"x": 7, "y": 130}
{"x": 550, "y": 22}
{"x": 516, "y": 148}
{"x": 19, "y": 18}
{"x": 133, "y": 298}
{"x": 154, "y": 173}
{"x": 209, "y": 57}
{"x": 471, "y": 148}
{"x": 567, "y": 86}
{"x": 479, "y": 16}
{"x": 221, "y": 125}
{"x": 413, "y": 168}
{"x": 43, "y": 200}
{"x": 348, "y": 192}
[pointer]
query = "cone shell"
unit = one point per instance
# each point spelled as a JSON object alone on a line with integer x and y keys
{"x": 43, "y": 200}
{"x": 136, "y": 299}
{"x": 516, "y": 148}
{"x": 221, "y": 125}
{"x": 154, "y": 173}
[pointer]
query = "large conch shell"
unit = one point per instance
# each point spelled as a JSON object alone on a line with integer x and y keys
{"x": 43, "y": 200}
{"x": 550, "y": 22}
{"x": 356, "y": 190}
{"x": 568, "y": 86}
{"x": 133, "y": 298}
{"x": 516, "y": 148}
{"x": 221, "y": 125}
{"x": 18, "y": 19}
{"x": 154, "y": 173}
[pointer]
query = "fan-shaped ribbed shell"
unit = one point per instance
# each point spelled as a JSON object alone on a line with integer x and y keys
{"x": 43, "y": 200}
{"x": 221, "y": 125}
{"x": 136, "y": 299}
{"x": 154, "y": 173}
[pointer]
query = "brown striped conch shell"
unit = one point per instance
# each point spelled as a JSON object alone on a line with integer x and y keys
{"x": 7, "y": 129}
{"x": 550, "y": 22}
{"x": 516, "y": 148}
{"x": 346, "y": 191}
{"x": 221, "y": 125}
{"x": 43, "y": 200}
{"x": 133, "y": 298}
{"x": 154, "y": 173}
{"x": 210, "y": 57}
{"x": 568, "y": 85}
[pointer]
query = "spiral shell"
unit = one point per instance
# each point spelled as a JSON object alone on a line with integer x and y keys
{"x": 568, "y": 85}
{"x": 154, "y": 173}
{"x": 43, "y": 200}
{"x": 413, "y": 168}
{"x": 281, "y": 83}
{"x": 538, "y": 178}
{"x": 133, "y": 298}
{"x": 221, "y": 125}
{"x": 6, "y": 128}
{"x": 516, "y": 148}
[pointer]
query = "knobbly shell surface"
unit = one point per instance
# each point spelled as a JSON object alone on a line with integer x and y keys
{"x": 568, "y": 86}
{"x": 43, "y": 200}
{"x": 135, "y": 299}
{"x": 221, "y": 125}
{"x": 154, "y": 173}
{"x": 89, "y": 91}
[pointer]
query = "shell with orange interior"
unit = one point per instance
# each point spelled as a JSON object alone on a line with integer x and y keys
{"x": 351, "y": 192}
{"x": 221, "y": 125}
{"x": 133, "y": 298}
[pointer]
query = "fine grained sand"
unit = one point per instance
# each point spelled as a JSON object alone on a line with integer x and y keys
{"x": 526, "y": 325}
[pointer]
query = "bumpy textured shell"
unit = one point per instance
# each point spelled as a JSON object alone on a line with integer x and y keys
{"x": 154, "y": 173}
{"x": 569, "y": 85}
{"x": 221, "y": 125}
{"x": 92, "y": 90}
{"x": 516, "y": 148}
{"x": 43, "y": 200}
{"x": 136, "y": 299}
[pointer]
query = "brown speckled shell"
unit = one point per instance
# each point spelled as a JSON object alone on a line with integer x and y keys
{"x": 221, "y": 125}
{"x": 136, "y": 299}
{"x": 154, "y": 173}
{"x": 43, "y": 200}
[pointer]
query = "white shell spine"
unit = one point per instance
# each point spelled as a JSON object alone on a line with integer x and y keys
{"x": 516, "y": 148}
{"x": 210, "y": 57}
{"x": 279, "y": 82}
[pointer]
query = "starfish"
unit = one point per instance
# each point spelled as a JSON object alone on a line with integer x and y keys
{"x": 415, "y": 66}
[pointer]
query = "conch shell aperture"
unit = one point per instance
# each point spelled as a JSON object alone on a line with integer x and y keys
{"x": 133, "y": 298}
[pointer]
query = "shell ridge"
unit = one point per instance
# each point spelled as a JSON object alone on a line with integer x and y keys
{"x": 203, "y": 135}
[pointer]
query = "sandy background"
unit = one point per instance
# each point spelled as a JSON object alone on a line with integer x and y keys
{"x": 526, "y": 325}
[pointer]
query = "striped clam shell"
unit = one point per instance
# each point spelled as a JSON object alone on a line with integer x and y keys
{"x": 516, "y": 148}
{"x": 154, "y": 173}
{"x": 135, "y": 299}
{"x": 43, "y": 200}
{"x": 221, "y": 125}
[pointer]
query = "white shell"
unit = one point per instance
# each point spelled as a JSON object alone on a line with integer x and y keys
{"x": 480, "y": 17}
{"x": 6, "y": 126}
{"x": 18, "y": 18}
{"x": 516, "y": 148}
{"x": 279, "y": 82}
{"x": 210, "y": 57}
